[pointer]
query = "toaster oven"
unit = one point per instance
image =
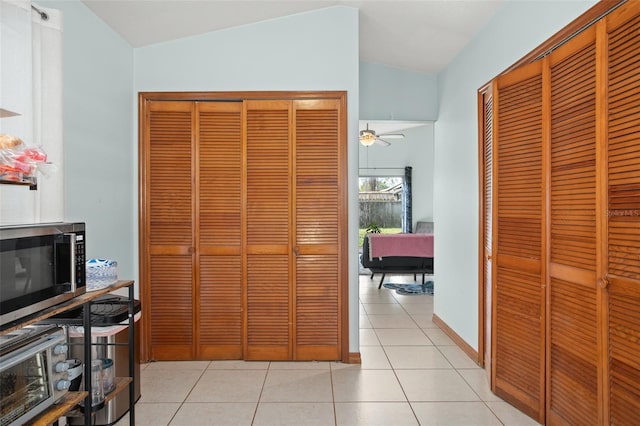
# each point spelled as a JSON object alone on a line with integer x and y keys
{"x": 33, "y": 372}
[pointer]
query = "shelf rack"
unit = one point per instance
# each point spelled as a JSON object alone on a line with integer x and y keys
{"x": 32, "y": 183}
{"x": 72, "y": 399}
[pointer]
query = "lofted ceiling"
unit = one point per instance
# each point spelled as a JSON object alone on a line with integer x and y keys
{"x": 415, "y": 35}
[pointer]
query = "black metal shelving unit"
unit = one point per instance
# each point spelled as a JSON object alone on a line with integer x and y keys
{"x": 85, "y": 301}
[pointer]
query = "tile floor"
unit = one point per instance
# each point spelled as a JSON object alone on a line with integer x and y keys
{"x": 411, "y": 374}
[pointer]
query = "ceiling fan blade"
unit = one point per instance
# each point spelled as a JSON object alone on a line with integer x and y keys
{"x": 392, "y": 135}
{"x": 382, "y": 142}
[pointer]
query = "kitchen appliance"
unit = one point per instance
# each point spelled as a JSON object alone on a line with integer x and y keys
{"x": 110, "y": 341}
{"x": 33, "y": 372}
{"x": 41, "y": 265}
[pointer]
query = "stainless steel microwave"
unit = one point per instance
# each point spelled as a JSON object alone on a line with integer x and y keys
{"x": 41, "y": 265}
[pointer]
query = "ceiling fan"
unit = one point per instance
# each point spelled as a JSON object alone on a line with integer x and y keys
{"x": 368, "y": 137}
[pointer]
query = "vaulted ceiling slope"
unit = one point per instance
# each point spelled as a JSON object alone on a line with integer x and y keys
{"x": 417, "y": 35}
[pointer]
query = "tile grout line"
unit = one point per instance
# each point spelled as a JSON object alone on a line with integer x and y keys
{"x": 264, "y": 383}
{"x": 457, "y": 371}
{"x": 477, "y": 394}
{"x": 333, "y": 396}
{"x": 189, "y": 393}
{"x": 415, "y": 415}
{"x": 422, "y": 330}
{"x": 450, "y": 363}
{"x": 395, "y": 374}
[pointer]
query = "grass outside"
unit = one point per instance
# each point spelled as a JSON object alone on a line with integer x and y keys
{"x": 382, "y": 231}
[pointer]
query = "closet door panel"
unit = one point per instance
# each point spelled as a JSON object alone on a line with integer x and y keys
{"x": 241, "y": 234}
{"x": 518, "y": 360}
{"x": 317, "y": 226}
{"x": 623, "y": 214}
{"x": 171, "y": 307}
{"x": 572, "y": 353}
{"x": 486, "y": 221}
{"x": 219, "y": 238}
{"x": 169, "y": 254}
{"x": 169, "y": 174}
{"x": 268, "y": 307}
{"x": 220, "y": 305}
{"x": 268, "y": 230}
{"x": 317, "y": 309}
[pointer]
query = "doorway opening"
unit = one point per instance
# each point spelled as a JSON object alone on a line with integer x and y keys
{"x": 382, "y": 206}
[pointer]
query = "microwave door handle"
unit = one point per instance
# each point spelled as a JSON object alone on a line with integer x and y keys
{"x": 72, "y": 256}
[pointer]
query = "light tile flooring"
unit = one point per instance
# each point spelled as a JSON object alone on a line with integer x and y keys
{"x": 411, "y": 374}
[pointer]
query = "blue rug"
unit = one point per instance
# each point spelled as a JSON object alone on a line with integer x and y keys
{"x": 411, "y": 289}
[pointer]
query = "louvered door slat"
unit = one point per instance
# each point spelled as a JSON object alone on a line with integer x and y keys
{"x": 268, "y": 312}
{"x": 268, "y": 173}
{"x": 316, "y": 220}
{"x": 171, "y": 307}
{"x": 487, "y": 224}
{"x": 221, "y": 220}
{"x": 170, "y": 223}
{"x": 519, "y": 333}
{"x": 623, "y": 224}
{"x": 517, "y": 305}
{"x": 573, "y": 347}
{"x": 488, "y": 176}
{"x": 220, "y": 304}
{"x": 317, "y": 308}
{"x": 170, "y": 173}
{"x": 220, "y": 174}
{"x": 268, "y": 193}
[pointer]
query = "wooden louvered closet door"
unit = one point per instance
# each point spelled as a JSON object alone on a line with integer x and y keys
{"x": 590, "y": 248}
{"x": 518, "y": 296}
{"x": 243, "y": 226}
{"x": 572, "y": 336}
{"x": 621, "y": 211}
{"x": 294, "y": 205}
{"x": 218, "y": 187}
{"x": 169, "y": 253}
{"x": 486, "y": 223}
{"x": 317, "y": 229}
{"x": 194, "y": 180}
{"x": 268, "y": 236}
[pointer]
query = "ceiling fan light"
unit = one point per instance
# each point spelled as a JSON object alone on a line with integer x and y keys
{"x": 367, "y": 138}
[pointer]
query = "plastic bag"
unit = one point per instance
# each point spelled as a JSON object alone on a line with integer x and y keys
{"x": 19, "y": 162}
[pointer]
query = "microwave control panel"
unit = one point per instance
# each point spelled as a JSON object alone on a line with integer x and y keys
{"x": 80, "y": 259}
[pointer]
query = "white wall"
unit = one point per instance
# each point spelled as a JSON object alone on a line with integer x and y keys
{"x": 17, "y": 203}
{"x": 287, "y": 54}
{"x": 103, "y": 74}
{"x": 31, "y": 85}
{"x": 388, "y": 93}
{"x": 309, "y": 51}
{"x": 517, "y": 28}
{"x": 98, "y": 117}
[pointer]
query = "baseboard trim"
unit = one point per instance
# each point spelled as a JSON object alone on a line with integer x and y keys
{"x": 472, "y": 353}
{"x": 354, "y": 358}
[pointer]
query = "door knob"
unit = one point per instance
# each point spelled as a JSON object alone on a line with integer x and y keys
{"x": 603, "y": 283}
